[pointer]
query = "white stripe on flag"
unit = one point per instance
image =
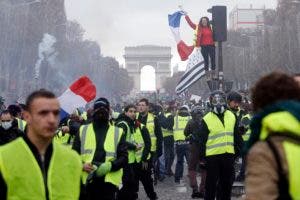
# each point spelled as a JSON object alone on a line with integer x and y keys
{"x": 176, "y": 34}
{"x": 69, "y": 101}
{"x": 190, "y": 77}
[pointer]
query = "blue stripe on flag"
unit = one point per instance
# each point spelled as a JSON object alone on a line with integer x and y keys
{"x": 63, "y": 114}
{"x": 174, "y": 19}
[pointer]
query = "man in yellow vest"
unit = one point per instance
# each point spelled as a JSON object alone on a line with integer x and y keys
{"x": 68, "y": 129}
{"x": 152, "y": 124}
{"x": 234, "y": 100}
{"x": 181, "y": 144}
{"x": 273, "y": 149}
{"x": 244, "y": 129}
{"x": 34, "y": 167}
{"x": 103, "y": 153}
{"x": 167, "y": 124}
{"x": 218, "y": 145}
{"x": 139, "y": 144}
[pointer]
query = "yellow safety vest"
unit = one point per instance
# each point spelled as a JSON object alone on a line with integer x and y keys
{"x": 150, "y": 126}
{"x": 88, "y": 148}
{"x": 64, "y": 139}
{"x": 246, "y": 136}
{"x": 281, "y": 122}
{"x": 23, "y": 175}
{"x": 137, "y": 138}
{"x": 180, "y": 124}
{"x": 220, "y": 139}
{"x": 21, "y": 124}
{"x": 167, "y": 132}
{"x": 84, "y": 115}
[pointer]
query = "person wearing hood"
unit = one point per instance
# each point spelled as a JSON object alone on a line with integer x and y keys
{"x": 181, "y": 144}
{"x": 190, "y": 131}
{"x": 9, "y": 128}
{"x": 272, "y": 167}
{"x": 167, "y": 124}
{"x": 219, "y": 143}
{"x": 138, "y": 143}
{"x": 103, "y": 152}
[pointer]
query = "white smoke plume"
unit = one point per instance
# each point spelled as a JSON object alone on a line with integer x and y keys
{"x": 46, "y": 51}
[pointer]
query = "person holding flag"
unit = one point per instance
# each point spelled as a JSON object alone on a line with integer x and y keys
{"x": 204, "y": 39}
{"x": 195, "y": 68}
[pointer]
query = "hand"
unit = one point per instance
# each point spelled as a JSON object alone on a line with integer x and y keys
{"x": 144, "y": 165}
{"x": 184, "y": 12}
{"x": 138, "y": 147}
{"x": 65, "y": 129}
{"x": 88, "y": 167}
{"x": 181, "y": 9}
{"x": 103, "y": 169}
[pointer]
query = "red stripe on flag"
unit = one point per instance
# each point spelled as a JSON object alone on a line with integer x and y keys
{"x": 85, "y": 88}
{"x": 184, "y": 50}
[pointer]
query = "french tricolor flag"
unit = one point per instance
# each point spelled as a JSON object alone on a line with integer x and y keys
{"x": 77, "y": 95}
{"x": 174, "y": 22}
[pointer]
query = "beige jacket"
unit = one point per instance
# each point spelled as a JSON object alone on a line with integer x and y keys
{"x": 261, "y": 170}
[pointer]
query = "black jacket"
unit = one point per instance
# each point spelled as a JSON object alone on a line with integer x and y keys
{"x": 10, "y": 134}
{"x": 134, "y": 125}
{"x": 99, "y": 156}
{"x": 166, "y": 122}
{"x": 191, "y": 130}
{"x": 204, "y": 132}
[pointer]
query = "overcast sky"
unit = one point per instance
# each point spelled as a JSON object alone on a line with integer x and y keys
{"x": 115, "y": 24}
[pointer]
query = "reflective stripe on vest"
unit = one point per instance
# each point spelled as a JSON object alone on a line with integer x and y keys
{"x": 150, "y": 127}
{"x": 21, "y": 124}
{"x": 88, "y": 148}
{"x": 220, "y": 139}
{"x": 180, "y": 124}
{"x": 25, "y": 180}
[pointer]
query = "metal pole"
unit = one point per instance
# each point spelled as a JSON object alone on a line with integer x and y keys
{"x": 220, "y": 66}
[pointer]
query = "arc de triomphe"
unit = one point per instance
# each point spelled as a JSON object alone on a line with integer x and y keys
{"x": 156, "y": 56}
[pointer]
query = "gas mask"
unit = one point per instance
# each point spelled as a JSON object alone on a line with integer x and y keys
{"x": 218, "y": 103}
{"x": 6, "y": 125}
{"x": 101, "y": 114}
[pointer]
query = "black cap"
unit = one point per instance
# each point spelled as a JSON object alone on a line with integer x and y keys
{"x": 101, "y": 102}
{"x": 234, "y": 96}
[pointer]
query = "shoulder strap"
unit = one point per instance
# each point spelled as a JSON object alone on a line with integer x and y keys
{"x": 283, "y": 184}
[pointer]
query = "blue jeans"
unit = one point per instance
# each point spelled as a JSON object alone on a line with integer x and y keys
{"x": 182, "y": 150}
{"x": 161, "y": 164}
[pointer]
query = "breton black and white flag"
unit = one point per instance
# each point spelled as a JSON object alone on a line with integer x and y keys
{"x": 195, "y": 70}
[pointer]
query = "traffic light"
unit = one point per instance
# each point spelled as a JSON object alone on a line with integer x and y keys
{"x": 219, "y": 22}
